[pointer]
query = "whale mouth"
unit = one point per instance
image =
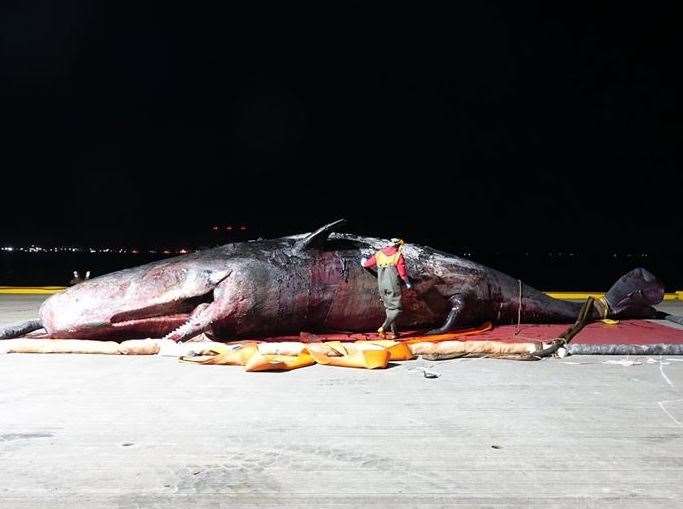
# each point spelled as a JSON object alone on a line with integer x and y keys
{"x": 150, "y": 321}
{"x": 164, "y": 309}
{"x": 110, "y": 309}
{"x": 153, "y": 327}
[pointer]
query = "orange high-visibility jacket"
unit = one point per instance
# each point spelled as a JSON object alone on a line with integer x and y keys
{"x": 388, "y": 256}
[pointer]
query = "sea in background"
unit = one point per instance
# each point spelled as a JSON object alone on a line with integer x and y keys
{"x": 547, "y": 270}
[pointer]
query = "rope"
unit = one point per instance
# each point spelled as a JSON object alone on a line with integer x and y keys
{"x": 519, "y": 307}
{"x": 563, "y": 339}
{"x": 602, "y": 306}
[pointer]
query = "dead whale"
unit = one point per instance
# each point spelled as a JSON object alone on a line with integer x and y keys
{"x": 310, "y": 282}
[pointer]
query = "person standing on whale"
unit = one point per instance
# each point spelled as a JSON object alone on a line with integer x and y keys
{"x": 391, "y": 268}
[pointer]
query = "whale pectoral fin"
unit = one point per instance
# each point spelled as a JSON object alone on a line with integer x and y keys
{"x": 457, "y": 305}
{"x": 19, "y": 329}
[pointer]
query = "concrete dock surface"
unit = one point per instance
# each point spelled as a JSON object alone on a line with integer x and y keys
{"x": 149, "y": 431}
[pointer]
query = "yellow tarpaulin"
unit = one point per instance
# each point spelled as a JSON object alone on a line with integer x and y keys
{"x": 360, "y": 354}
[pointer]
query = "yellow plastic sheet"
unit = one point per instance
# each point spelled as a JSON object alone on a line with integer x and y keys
{"x": 367, "y": 354}
{"x": 272, "y": 362}
{"x": 369, "y": 359}
{"x": 350, "y": 356}
{"x": 397, "y": 351}
{"x": 229, "y": 356}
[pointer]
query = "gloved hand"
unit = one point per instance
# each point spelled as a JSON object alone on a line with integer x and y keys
{"x": 408, "y": 285}
{"x": 363, "y": 261}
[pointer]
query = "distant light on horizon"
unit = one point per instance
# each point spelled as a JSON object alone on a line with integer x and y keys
{"x": 229, "y": 227}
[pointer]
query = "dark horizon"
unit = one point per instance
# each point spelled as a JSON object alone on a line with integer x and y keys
{"x": 488, "y": 126}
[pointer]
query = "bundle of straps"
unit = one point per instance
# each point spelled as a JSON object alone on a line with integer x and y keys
{"x": 582, "y": 320}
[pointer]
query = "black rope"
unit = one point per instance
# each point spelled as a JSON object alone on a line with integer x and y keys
{"x": 563, "y": 339}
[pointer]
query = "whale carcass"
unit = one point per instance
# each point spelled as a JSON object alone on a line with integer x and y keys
{"x": 312, "y": 282}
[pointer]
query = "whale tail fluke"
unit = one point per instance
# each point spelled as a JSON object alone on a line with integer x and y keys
{"x": 635, "y": 293}
{"x": 17, "y": 330}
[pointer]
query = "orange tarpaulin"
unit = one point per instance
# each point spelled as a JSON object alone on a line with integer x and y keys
{"x": 449, "y": 336}
{"x": 310, "y": 337}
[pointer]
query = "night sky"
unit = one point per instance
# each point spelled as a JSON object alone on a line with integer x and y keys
{"x": 490, "y": 123}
